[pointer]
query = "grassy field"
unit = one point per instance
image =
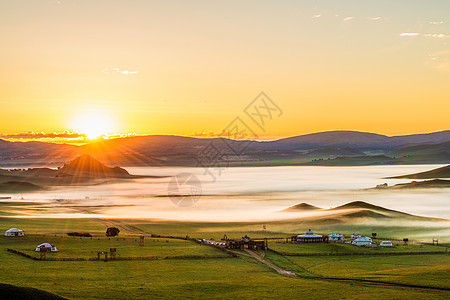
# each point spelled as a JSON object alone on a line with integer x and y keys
{"x": 211, "y": 278}
{"x": 421, "y": 270}
{"x": 126, "y": 246}
{"x": 76, "y": 247}
{"x": 241, "y": 277}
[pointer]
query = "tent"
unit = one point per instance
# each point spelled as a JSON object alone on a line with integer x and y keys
{"x": 46, "y": 247}
{"x": 309, "y": 237}
{"x": 336, "y": 237}
{"x": 355, "y": 236}
{"x": 386, "y": 244}
{"x": 362, "y": 241}
{"x": 14, "y": 232}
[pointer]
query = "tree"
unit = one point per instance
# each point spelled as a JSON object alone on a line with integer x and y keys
{"x": 405, "y": 240}
{"x": 374, "y": 234}
{"x": 112, "y": 231}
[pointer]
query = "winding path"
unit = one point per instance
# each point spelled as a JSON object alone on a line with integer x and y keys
{"x": 271, "y": 265}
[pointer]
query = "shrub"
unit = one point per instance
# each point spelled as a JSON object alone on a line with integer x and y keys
{"x": 112, "y": 231}
{"x": 82, "y": 234}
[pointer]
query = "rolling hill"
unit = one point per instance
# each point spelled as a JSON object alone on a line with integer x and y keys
{"x": 443, "y": 172}
{"x": 86, "y": 165}
{"x": 82, "y": 170}
{"x": 323, "y": 148}
{"x": 434, "y": 183}
{"x": 18, "y": 187}
{"x": 302, "y": 207}
{"x": 353, "y": 213}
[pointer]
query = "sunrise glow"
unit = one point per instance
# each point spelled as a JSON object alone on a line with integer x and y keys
{"x": 94, "y": 123}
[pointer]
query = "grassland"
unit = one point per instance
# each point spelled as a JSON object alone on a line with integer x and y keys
{"x": 210, "y": 278}
{"x": 77, "y": 247}
{"x": 423, "y": 270}
{"x": 241, "y": 277}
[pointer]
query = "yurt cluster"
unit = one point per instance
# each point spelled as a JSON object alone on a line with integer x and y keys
{"x": 354, "y": 239}
{"x": 44, "y": 247}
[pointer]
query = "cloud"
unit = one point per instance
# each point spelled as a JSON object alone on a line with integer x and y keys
{"x": 119, "y": 70}
{"x": 42, "y": 135}
{"x": 436, "y": 35}
{"x": 437, "y": 22}
{"x": 440, "y": 60}
{"x": 316, "y": 16}
{"x": 374, "y": 18}
{"x": 409, "y": 34}
{"x": 348, "y": 19}
{"x": 432, "y": 35}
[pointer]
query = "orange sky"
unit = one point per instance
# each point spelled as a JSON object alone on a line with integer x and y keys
{"x": 177, "y": 67}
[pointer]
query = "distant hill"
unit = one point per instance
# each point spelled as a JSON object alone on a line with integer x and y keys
{"x": 18, "y": 187}
{"x": 323, "y": 148}
{"x": 35, "y": 153}
{"x": 421, "y": 150}
{"x": 360, "y": 140}
{"x": 334, "y": 152}
{"x": 332, "y": 139}
{"x": 302, "y": 207}
{"x": 434, "y": 183}
{"x": 86, "y": 165}
{"x": 361, "y": 204}
{"x": 443, "y": 172}
{"x": 82, "y": 170}
{"x": 353, "y": 213}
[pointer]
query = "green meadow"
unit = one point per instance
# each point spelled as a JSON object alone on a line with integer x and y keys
{"x": 419, "y": 270}
{"x": 178, "y": 274}
{"x": 84, "y": 247}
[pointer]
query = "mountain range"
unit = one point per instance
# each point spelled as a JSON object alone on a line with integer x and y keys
{"x": 323, "y": 148}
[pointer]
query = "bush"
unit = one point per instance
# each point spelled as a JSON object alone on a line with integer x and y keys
{"x": 82, "y": 234}
{"x": 112, "y": 231}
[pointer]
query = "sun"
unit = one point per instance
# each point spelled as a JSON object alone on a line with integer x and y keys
{"x": 94, "y": 123}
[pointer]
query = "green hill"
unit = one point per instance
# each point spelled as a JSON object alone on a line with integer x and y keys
{"x": 443, "y": 172}
{"x": 434, "y": 183}
{"x": 8, "y": 291}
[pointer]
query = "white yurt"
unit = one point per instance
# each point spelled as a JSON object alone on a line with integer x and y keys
{"x": 14, "y": 232}
{"x": 336, "y": 237}
{"x": 362, "y": 241}
{"x": 46, "y": 247}
{"x": 386, "y": 244}
{"x": 355, "y": 236}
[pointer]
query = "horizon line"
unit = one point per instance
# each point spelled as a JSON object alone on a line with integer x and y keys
{"x": 76, "y": 138}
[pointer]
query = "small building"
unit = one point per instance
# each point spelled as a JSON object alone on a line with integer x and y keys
{"x": 309, "y": 237}
{"x": 246, "y": 243}
{"x": 46, "y": 247}
{"x": 362, "y": 241}
{"x": 355, "y": 236}
{"x": 14, "y": 232}
{"x": 386, "y": 244}
{"x": 336, "y": 237}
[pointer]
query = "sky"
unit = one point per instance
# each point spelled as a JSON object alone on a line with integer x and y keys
{"x": 192, "y": 67}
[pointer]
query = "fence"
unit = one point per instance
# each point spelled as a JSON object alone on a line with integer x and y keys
{"x": 356, "y": 253}
{"x": 120, "y": 258}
